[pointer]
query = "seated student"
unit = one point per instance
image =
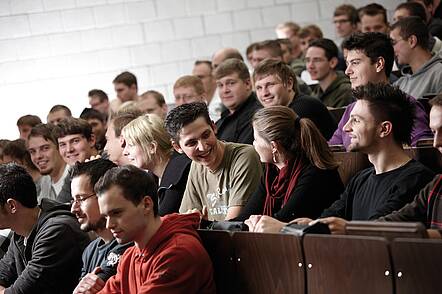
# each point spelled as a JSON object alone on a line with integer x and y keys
{"x": 58, "y": 113}
{"x": 290, "y": 30}
{"x": 98, "y": 122}
{"x": 43, "y": 148}
{"x": 152, "y": 102}
{"x": 45, "y": 252}
{"x": 373, "y": 18}
{"x": 275, "y": 84}
{"x": 222, "y": 175}
{"x": 99, "y": 100}
{"x": 308, "y": 34}
{"x": 426, "y": 206}
{"x": 148, "y": 146}
{"x": 188, "y": 89}
{"x": 334, "y": 87}
{"x": 301, "y": 177}
{"x": 168, "y": 256}
{"x": 370, "y": 59}
{"x": 15, "y": 151}
{"x": 235, "y": 90}
{"x": 76, "y": 143}
{"x": 101, "y": 256}
{"x": 411, "y": 46}
{"x": 114, "y": 140}
{"x": 26, "y": 123}
{"x": 379, "y": 124}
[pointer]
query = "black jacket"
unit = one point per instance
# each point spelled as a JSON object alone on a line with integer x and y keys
{"x": 237, "y": 127}
{"x": 51, "y": 260}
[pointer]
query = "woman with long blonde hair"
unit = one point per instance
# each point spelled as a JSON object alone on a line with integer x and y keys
{"x": 148, "y": 146}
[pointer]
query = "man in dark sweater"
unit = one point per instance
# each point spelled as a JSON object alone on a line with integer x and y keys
{"x": 235, "y": 90}
{"x": 45, "y": 252}
{"x": 379, "y": 124}
{"x": 275, "y": 84}
{"x": 101, "y": 256}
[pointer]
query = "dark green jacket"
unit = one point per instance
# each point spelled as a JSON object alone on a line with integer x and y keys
{"x": 338, "y": 94}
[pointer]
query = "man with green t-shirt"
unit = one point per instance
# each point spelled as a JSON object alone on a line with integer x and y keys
{"x": 222, "y": 175}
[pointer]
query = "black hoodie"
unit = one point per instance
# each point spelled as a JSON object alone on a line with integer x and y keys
{"x": 51, "y": 260}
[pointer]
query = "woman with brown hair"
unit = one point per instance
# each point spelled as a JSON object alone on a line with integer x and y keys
{"x": 301, "y": 177}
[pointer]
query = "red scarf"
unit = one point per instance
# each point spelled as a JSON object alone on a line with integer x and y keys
{"x": 282, "y": 185}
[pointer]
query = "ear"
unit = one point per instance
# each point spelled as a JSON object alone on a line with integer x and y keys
{"x": 385, "y": 129}
{"x": 248, "y": 83}
{"x": 153, "y": 148}
{"x": 333, "y": 62}
{"x": 176, "y": 146}
{"x": 11, "y": 205}
{"x": 92, "y": 141}
{"x": 290, "y": 84}
{"x": 147, "y": 204}
{"x": 275, "y": 146}
{"x": 213, "y": 126}
{"x": 412, "y": 41}
{"x": 380, "y": 64}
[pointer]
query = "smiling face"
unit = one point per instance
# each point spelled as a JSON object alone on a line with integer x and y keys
{"x": 271, "y": 91}
{"x": 124, "y": 219}
{"x": 360, "y": 69}
{"x": 45, "y": 155}
{"x": 75, "y": 148}
{"x": 198, "y": 141}
{"x": 85, "y": 205}
{"x": 361, "y": 127}
{"x": 113, "y": 146}
{"x": 135, "y": 155}
{"x": 233, "y": 91}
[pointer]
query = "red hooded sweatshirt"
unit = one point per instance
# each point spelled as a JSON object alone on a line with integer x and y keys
{"x": 173, "y": 261}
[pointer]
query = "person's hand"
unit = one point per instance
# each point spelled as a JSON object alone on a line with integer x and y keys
{"x": 204, "y": 213}
{"x": 301, "y": 221}
{"x": 267, "y": 224}
{"x": 335, "y": 224}
{"x": 434, "y": 234}
{"x": 252, "y": 221}
{"x": 90, "y": 283}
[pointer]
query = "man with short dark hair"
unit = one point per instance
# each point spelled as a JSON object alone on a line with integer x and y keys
{"x": 410, "y": 39}
{"x": 101, "y": 256}
{"x": 235, "y": 90}
{"x": 45, "y": 252}
{"x": 26, "y": 123}
{"x": 58, "y": 113}
{"x": 223, "y": 175}
{"x": 370, "y": 59}
{"x": 168, "y": 256}
{"x": 99, "y": 100}
{"x": 345, "y": 19}
{"x": 126, "y": 87}
{"x": 43, "y": 148}
{"x": 98, "y": 123}
{"x": 334, "y": 87}
{"x": 373, "y": 18}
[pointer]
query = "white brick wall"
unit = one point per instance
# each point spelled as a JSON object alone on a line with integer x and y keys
{"x": 54, "y": 51}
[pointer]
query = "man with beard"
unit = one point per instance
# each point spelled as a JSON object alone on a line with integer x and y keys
{"x": 101, "y": 256}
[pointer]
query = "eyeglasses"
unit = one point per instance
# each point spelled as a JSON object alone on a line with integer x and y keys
{"x": 81, "y": 198}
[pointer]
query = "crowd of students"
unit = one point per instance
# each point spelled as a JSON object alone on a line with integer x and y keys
{"x": 236, "y": 146}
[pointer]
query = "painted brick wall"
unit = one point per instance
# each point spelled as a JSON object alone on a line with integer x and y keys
{"x": 54, "y": 51}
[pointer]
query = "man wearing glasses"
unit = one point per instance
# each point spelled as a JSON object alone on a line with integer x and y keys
{"x": 345, "y": 19}
{"x": 101, "y": 257}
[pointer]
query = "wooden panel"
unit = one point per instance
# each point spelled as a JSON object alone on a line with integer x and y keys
{"x": 347, "y": 264}
{"x": 269, "y": 263}
{"x": 219, "y": 245}
{"x": 428, "y": 156}
{"x": 417, "y": 266}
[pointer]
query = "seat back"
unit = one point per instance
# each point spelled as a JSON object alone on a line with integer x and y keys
{"x": 269, "y": 263}
{"x": 350, "y": 164}
{"x": 219, "y": 245}
{"x": 428, "y": 156}
{"x": 417, "y": 264}
{"x": 347, "y": 264}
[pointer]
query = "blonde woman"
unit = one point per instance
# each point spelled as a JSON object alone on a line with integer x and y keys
{"x": 301, "y": 177}
{"x": 148, "y": 146}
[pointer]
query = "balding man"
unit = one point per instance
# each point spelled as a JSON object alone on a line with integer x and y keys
{"x": 223, "y": 54}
